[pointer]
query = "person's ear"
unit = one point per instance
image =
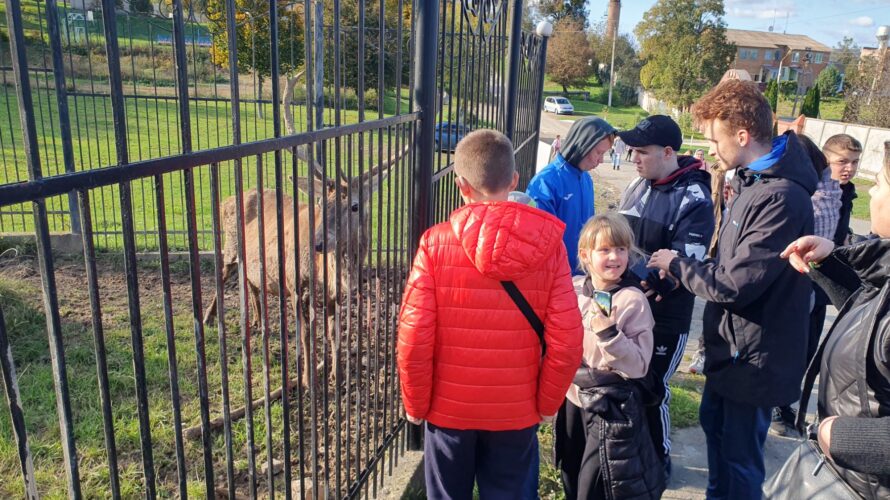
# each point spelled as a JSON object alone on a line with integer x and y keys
{"x": 515, "y": 181}
{"x": 743, "y": 137}
{"x": 668, "y": 151}
{"x": 464, "y": 186}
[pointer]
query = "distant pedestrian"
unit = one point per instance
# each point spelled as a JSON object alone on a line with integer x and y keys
{"x": 470, "y": 362}
{"x": 619, "y": 148}
{"x": 555, "y": 146}
{"x": 755, "y": 321}
{"x": 564, "y": 188}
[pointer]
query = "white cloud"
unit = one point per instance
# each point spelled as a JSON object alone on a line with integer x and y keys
{"x": 760, "y": 9}
{"x": 863, "y": 21}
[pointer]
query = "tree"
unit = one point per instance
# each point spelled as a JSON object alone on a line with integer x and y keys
{"x": 772, "y": 94}
{"x": 254, "y": 45}
{"x": 568, "y": 55}
{"x": 562, "y": 9}
{"x": 810, "y": 106}
{"x": 142, "y": 6}
{"x": 828, "y": 81}
{"x": 684, "y": 49}
{"x": 627, "y": 62}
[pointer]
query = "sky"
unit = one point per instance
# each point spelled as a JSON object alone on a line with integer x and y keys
{"x": 826, "y": 21}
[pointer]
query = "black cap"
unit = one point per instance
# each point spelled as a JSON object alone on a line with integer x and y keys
{"x": 657, "y": 129}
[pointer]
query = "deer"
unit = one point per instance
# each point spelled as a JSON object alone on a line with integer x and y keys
{"x": 349, "y": 244}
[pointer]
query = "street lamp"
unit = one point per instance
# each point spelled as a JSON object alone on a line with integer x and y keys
{"x": 800, "y": 75}
{"x": 883, "y": 35}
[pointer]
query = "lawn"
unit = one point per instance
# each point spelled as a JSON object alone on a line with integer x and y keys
{"x": 152, "y": 131}
{"x": 861, "y": 203}
{"x": 830, "y": 108}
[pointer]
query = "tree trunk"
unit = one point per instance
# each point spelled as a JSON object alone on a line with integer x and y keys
{"x": 287, "y": 100}
{"x": 565, "y": 90}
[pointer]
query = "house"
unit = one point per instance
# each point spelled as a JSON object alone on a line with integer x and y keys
{"x": 762, "y": 54}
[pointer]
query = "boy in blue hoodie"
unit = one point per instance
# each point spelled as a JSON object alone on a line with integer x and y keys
{"x": 564, "y": 187}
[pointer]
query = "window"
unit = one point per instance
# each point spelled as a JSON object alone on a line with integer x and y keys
{"x": 777, "y": 55}
{"x": 743, "y": 53}
{"x": 817, "y": 58}
{"x": 767, "y": 56}
{"x": 795, "y": 57}
{"x": 752, "y": 54}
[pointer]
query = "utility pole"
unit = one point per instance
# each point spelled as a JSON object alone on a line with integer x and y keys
{"x": 612, "y": 24}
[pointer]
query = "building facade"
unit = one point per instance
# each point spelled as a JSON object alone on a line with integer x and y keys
{"x": 764, "y": 54}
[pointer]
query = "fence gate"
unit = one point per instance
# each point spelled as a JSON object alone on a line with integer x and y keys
{"x": 247, "y": 182}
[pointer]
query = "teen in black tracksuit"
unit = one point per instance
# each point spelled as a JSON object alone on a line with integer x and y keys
{"x": 676, "y": 213}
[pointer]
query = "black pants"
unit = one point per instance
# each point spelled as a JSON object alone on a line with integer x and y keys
{"x": 498, "y": 461}
{"x": 578, "y": 456}
{"x": 666, "y": 357}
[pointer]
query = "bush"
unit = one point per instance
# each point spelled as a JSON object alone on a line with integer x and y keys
{"x": 810, "y": 106}
{"x": 772, "y": 95}
{"x": 787, "y": 89}
{"x": 828, "y": 81}
{"x": 371, "y": 99}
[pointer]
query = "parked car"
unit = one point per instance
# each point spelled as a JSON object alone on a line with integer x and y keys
{"x": 449, "y": 134}
{"x": 559, "y": 105}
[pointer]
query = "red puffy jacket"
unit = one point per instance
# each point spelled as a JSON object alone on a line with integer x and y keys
{"x": 468, "y": 358}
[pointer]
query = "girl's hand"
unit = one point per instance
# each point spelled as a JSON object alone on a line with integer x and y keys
{"x": 599, "y": 321}
{"x": 809, "y": 249}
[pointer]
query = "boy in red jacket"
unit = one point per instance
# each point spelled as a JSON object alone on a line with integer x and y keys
{"x": 470, "y": 363}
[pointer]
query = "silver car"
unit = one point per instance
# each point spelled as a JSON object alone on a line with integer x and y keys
{"x": 559, "y": 105}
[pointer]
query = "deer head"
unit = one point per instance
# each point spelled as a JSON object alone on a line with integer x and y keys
{"x": 348, "y": 198}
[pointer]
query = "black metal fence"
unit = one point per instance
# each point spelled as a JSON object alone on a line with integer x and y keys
{"x": 270, "y": 370}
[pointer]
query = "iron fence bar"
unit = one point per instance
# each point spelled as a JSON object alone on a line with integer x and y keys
{"x": 44, "y": 250}
{"x": 89, "y": 255}
{"x": 244, "y": 308}
{"x": 169, "y": 330}
{"x": 424, "y": 102}
{"x": 282, "y": 275}
{"x": 181, "y": 68}
{"x": 359, "y": 414}
{"x": 338, "y": 268}
{"x": 45, "y": 187}
{"x": 16, "y": 413}
{"x": 52, "y": 24}
{"x": 130, "y": 265}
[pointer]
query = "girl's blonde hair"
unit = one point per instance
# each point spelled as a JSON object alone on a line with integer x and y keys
{"x": 614, "y": 230}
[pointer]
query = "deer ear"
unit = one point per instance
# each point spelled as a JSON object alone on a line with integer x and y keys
{"x": 318, "y": 187}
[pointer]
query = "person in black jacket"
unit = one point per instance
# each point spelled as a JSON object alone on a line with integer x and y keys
{"x": 755, "y": 321}
{"x": 854, "y": 359}
{"x": 668, "y": 206}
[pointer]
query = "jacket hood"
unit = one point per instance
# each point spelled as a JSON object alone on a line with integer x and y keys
{"x": 506, "y": 240}
{"x": 690, "y": 169}
{"x": 870, "y": 259}
{"x": 583, "y": 136}
{"x": 791, "y": 162}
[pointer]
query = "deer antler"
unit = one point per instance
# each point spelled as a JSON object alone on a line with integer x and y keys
{"x": 385, "y": 166}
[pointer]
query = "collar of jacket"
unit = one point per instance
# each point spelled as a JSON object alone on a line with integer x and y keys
{"x": 587, "y": 289}
{"x": 768, "y": 160}
{"x": 870, "y": 259}
{"x": 561, "y": 162}
{"x": 688, "y": 165}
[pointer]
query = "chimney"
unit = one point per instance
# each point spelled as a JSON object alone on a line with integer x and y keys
{"x": 614, "y": 14}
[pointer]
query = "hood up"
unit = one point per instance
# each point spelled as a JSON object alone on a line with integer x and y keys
{"x": 506, "y": 240}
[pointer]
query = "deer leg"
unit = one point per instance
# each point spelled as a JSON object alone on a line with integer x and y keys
{"x": 304, "y": 339}
{"x": 211, "y": 309}
{"x": 337, "y": 372}
{"x": 254, "y": 295}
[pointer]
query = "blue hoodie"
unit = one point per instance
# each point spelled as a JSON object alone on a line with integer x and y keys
{"x": 565, "y": 191}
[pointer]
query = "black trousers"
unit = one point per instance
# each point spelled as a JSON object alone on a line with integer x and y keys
{"x": 666, "y": 357}
{"x": 578, "y": 456}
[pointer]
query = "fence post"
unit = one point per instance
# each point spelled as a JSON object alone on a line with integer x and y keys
{"x": 544, "y": 29}
{"x": 512, "y": 92}
{"x": 424, "y": 92}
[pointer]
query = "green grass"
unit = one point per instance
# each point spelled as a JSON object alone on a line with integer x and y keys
{"x": 152, "y": 132}
{"x": 863, "y": 199}
{"x": 830, "y": 108}
{"x": 621, "y": 117}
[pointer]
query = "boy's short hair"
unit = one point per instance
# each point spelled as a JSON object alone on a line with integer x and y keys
{"x": 485, "y": 159}
{"x": 840, "y": 143}
{"x": 741, "y": 105}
